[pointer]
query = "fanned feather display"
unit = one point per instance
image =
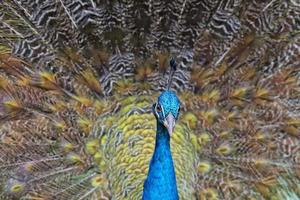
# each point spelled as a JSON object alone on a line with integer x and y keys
{"x": 78, "y": 78}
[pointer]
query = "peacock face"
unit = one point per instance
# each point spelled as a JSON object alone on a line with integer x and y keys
{"x": 166, "y": 110}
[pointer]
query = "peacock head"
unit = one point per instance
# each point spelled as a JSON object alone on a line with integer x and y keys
{"x": 167, "y": 107}
{"x": 166, "y": 110}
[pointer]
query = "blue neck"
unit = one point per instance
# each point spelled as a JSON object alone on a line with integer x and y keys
{"x": 161, "y": 180}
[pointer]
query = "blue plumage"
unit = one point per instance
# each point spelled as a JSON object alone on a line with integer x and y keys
{"x": 161, "y": 180}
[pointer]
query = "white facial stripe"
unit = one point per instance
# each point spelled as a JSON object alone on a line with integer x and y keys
{"x": 162, "y": 108}
{"x": 155, "y": 109}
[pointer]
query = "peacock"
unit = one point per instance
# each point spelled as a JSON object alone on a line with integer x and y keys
{"x": 161, "y": 180}
{"x": 90, "y": 91}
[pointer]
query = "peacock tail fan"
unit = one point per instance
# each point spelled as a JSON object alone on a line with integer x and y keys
{"x": 78, "y": 79}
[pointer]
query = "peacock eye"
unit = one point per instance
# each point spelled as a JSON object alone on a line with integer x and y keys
{"x": 158, "y": 108}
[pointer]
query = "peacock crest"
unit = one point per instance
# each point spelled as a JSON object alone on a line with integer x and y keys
{"x": 78, "y": 80}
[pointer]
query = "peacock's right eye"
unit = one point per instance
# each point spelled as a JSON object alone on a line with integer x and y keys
{"x": 158, "y": 108}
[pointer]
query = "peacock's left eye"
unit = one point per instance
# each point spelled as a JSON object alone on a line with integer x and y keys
{"x": 178, "y": 113}
{"x": 158, "y": 108}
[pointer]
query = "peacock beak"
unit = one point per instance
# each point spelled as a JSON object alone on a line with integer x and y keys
{"x": 169, "y": 123}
